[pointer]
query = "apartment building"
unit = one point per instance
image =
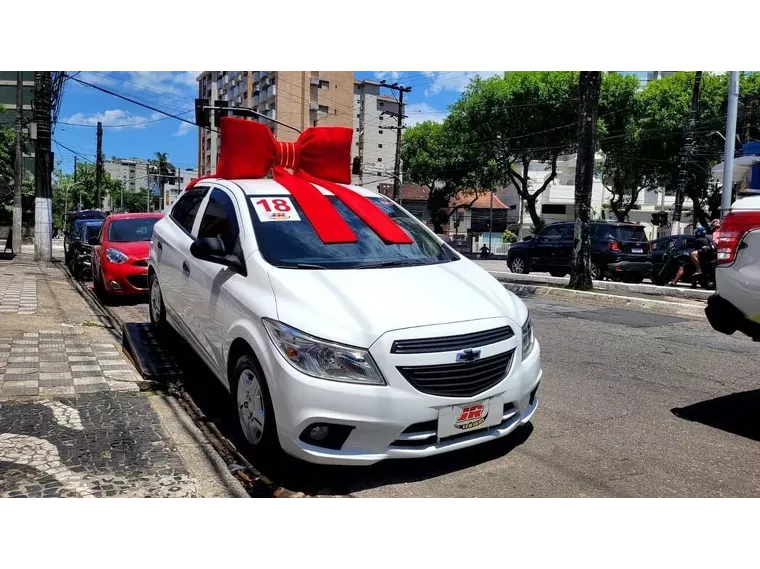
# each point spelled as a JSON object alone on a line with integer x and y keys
{"x": 131, "y": 172}
{"x": 8, "y": 87}
{"x": 172, "y": 191}
{"x": 373, "y": 113}
{"x": 297, "y": 98}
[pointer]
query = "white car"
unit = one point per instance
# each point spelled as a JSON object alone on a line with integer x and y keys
{"x": 341, "y": 354}
{"x": 736, "y": 304}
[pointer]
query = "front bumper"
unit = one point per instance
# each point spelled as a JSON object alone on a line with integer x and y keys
{"x": 391, "y": 421}
{"x": 724, "y": 317}
{"x": 126, "y": 278}
{"x": 643, "y": 268}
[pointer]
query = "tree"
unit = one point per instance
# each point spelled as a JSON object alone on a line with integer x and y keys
{"x": 66, "y": 195}
{"x": 512, "y": 120}
{"x": 665, "y": 106}
{"x": 164, "y": 170}
{"x": 433, "y": 158}
{"x": 580, "y": 268}
{"x": 623, "y": 171}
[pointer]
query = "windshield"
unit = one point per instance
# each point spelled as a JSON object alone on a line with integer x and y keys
{"x": 129, "y": 230}
{"x": 90, "y": 230}
{"x": 294, "y": 243}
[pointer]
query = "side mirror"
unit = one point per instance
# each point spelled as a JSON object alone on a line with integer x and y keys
{"x": 93, "y": 241}
{"x": 212, "y": 249}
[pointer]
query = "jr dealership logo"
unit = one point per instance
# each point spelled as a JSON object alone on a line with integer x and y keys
{"x": 471, "y": 416}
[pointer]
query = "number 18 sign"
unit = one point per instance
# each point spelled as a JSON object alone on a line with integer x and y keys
{"x": 275, "y": 209}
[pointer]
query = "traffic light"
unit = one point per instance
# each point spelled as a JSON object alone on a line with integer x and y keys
{"x": 660, "y": 218}
{"x": 356, "y": 168}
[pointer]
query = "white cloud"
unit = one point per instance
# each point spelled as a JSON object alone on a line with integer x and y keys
{"x": 452, "y": 80}
{"x": 183, "y": 129}
{"x": 389, "y": 75}
{"x": 420, "y": 112}
{"x": 115, "y": 118}
{"x": 182, "y": 83}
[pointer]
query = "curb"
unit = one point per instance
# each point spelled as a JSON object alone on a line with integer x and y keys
{"x": 609, "y": 286}
{"x": 678, "y": 308}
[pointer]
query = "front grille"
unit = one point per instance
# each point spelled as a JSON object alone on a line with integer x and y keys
{"x": 451, "y": 343}
{"x": 463, "y": 379}
{"x": 138, "y": 281}
{"x": 142, "y": 263}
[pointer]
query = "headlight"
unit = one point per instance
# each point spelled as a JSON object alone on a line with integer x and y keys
{"x": 322, "y": 359}
{"x": 116, "y": 256}
{"x": 528, "y": 338}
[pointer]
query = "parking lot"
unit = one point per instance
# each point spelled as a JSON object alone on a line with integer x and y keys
{"x": 631, "y": 404}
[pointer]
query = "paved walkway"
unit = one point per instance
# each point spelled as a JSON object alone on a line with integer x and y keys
{"x": 73, "y": 421}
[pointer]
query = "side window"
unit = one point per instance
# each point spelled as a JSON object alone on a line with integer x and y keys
{"x": 569, "y": 232}
{"x": 220, "y": 220}
{"x": 186, "y": 208}
{"x": 553, "y": 232}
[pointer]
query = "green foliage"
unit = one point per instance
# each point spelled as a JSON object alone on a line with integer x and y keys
{"x": 511, "y": 120}
{"x": 508, "y": 237}
{"x": 624, "y": 172}
{"x": 67, "y": 193}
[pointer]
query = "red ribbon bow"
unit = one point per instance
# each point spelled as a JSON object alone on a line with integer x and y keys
{"x": 322, "y": 156}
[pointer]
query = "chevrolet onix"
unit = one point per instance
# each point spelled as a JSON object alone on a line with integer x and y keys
{"x": 341, "y": 354}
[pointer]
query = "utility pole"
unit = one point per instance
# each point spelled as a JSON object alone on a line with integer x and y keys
{"x": 400, "y": 125}
{"x": 490, "y": 224}
{"x": 43, "y": 222}
{"x": 19, "y": 173}
{"x": 686, "y": 151}
{"x": 361, "y": 133}
{"x": 728, "y": 151}
{"x": 99, "y": 166}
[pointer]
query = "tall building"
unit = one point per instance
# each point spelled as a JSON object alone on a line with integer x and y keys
{"x": 172, "y": 191}
{"x": 377, "y": 148}
{"x": 131, "y": 172}
{"x": 297, "y": 98}
{"x": 8, "y": 83}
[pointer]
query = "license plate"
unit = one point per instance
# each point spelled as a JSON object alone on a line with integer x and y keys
{"x": 469, "y": 417}
{"x": 637, "y": 250}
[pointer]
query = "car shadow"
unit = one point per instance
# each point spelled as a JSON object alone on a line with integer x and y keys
{"x": 737, "y": 413}
{"x": 213, "y": 399}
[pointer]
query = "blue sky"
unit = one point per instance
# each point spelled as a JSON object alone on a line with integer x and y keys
{"x": 133, "y": 131}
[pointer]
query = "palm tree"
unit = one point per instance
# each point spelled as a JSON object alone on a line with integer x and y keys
{"x": 165, "y": 171}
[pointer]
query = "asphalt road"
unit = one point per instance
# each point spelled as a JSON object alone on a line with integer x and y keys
{"x": 631, "y": 404}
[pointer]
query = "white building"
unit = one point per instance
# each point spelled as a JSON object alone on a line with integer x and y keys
{"x": 131, "y": 172}
{"x": 379, "y": 144}
{"x": 173, "y": 191}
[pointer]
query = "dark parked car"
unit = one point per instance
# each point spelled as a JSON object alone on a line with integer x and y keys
{"x": 74, "y": 222}
{"x": 619, "y": 251}
{"x": 81, "y": 259}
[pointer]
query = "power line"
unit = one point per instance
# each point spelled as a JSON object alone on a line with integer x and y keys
{"x": 125, "y": 125}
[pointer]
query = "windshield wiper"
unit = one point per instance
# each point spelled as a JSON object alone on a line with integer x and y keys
{"x": 309, "y": 266}
{"x": 382, "y": 264}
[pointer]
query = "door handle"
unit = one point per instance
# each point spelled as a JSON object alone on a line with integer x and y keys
{"x": 185, "y": 268}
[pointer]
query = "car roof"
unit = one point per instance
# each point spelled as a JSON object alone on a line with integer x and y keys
{"x": 268, "y": 187}
{"x": 88, "y": 213}
{"x": 118, "y": 216}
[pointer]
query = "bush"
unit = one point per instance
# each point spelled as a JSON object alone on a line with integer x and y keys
{"x": 508, "y": 237}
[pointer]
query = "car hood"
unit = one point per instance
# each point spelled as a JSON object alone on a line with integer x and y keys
{"x": 356, "y": 307}
{"x": 134, "y": 249}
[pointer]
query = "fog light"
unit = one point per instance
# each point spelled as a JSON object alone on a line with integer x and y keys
{"x": 115, "y": 285}
{"x": 319, "y": 433}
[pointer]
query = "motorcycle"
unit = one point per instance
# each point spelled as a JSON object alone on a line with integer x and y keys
{"x": 674, "y": 259}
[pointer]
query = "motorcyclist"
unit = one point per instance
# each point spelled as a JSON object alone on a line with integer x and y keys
{"x": 700, "y": 242}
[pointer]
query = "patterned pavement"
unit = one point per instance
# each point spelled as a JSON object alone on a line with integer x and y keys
{"x": 94, "y": 445}
{"x": 18, "y": 294}
{"x": 61, "y": 363}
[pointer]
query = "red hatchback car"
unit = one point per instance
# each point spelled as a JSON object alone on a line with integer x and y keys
{"x": 120, "y": 256}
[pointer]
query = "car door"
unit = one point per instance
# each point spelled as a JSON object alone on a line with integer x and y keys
{"x": 172, "y": 243}
{"x": 546, "y": 247}
{"x": 220, "y": 217}
{"x": 564, "y": 248}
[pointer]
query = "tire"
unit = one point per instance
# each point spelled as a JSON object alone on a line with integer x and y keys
{"x": 558, "y": 273}
{"x": 156, "y": 305}
{"x": 597, "y": 273}
{"x": 637, "y": 278}
{"x": 253, "y": 405}
{"x": 518, "y": 265}
{"x": 97, "y": 285}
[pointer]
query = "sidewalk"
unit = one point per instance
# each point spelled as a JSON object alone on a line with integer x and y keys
{"x": 73, "y": 418}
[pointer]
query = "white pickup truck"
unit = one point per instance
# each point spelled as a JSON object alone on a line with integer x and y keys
{"x": 736, "y": 304}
